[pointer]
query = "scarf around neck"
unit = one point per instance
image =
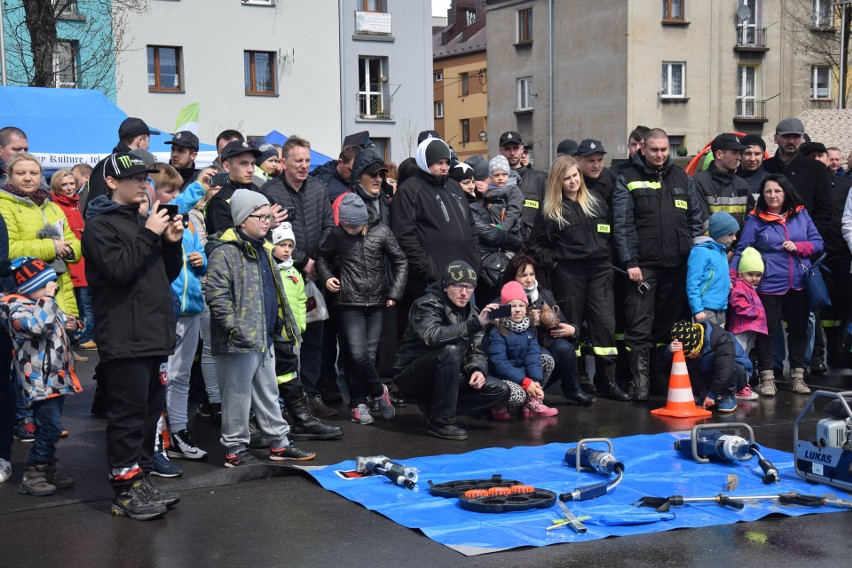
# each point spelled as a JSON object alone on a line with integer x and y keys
{"x": 518, "y": 327}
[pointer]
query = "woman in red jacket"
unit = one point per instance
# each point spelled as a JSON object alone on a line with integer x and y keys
{"x": 63, "y": 189}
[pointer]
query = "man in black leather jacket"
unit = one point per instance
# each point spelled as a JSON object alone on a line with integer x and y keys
{"x": 441, "y": 362}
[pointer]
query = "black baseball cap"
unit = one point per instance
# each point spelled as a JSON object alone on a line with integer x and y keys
{"x": 125, "y": 165}
{"x": 568, "y": 147}
{"x": 590, "y": 146}
{"x": 511, "y": 137}
{"x": 184, "y": 138}
{"x": 237, "y": 147}
{"x": 727, "y": 141}
{"x": 132, "y": 126}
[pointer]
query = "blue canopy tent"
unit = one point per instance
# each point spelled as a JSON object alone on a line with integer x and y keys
{"x": 72, "y": 126}
{"x": 317, "y": 159}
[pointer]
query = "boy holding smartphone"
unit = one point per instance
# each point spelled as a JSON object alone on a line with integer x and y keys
{"x": 131, "y": 263}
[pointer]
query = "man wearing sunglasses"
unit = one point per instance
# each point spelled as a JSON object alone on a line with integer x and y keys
{"x": 441, "y": 363}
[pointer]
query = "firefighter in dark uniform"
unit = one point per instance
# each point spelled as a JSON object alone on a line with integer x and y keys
{"x": 655, "y": 218}
{"x": 718, "y": 187}
{"x": 590, "y": 157}
{"x": 530, "y": 180}
{"x": 571, "y": 238}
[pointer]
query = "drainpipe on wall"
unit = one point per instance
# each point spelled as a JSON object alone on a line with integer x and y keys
{"x": 2, "y": 48}
{"x": 550, "y": 81}
{"x": 340, "y": 72}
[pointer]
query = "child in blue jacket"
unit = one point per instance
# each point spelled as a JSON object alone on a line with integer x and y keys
{"x": 708, "y": 282}
{"x": 515, "y": 357}
{"x": 188, "y": 300}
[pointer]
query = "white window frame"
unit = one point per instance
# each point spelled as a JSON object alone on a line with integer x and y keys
{"x": 258, "y": 2}
{"x": 667, "y": 82}
{"x": 525, "y": 96}
{"x": 61, "y": 67}
{"x": 815, "y": 72}
{"x": 439, "y": 76}
{"x": 71, "y": 8}
{"x": 439, "y": 109}
{"x": 369, "y": 83}
{"x": 747, "y": 31}
{"x": 748, "y": 89}
{"x": 822, "y": 14}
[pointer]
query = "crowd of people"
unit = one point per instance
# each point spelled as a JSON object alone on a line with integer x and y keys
{"x": 462, "y": 287}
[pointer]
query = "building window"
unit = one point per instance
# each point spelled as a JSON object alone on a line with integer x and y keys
{"x": 525, "y": 23}
{"x": 674, "y": 79}
{"x": 259, "y": 68}
{"x": 675, "y": 144}
{"x": 465, "y": 130}
{"x": 373, "y": 100}
{"x": 439, "y": 76}
{"x": 747, "y": 29}
{"x": 164, "y": 68}
{"x": 66, "y": 8}
{"x": 673, "y": 11}
{"x": 65, "y": 64}
{"x": 820, "y": 82}
{"x": 373, "y": 5}
{"x": 822, "y": 13}
{"x": 439, "y": 109}
{"x": 470, "y": 16}
{"x": 525, "y": 94}
{"x": 746, "y": 91}
{"x": 464, "y": 84}
{"x": 258, "y": 2}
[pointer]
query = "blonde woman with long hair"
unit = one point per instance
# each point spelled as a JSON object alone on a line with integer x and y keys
{"x": 571, "y": 239}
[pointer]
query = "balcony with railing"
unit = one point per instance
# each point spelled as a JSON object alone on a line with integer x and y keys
{"x": 374, "y": 104}
{"x": 750, "y": 110}
{"x": 751, "y": 38}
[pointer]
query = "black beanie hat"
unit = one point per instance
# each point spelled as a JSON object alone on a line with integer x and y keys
{"x": 461, "y": 171}
{"x": 753, "y": 140}
{"x": 458, "y": 272}
{"x": 437, "y": 150}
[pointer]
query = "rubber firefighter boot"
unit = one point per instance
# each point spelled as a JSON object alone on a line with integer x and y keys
{"x": 640, "y": 368}
{"x": 606, "y": 383}
{"x": 306, "y": 426}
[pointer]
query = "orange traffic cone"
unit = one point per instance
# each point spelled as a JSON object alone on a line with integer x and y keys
{"x": 680, "y": 403}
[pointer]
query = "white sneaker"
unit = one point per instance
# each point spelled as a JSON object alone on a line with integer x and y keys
{"x": 5, "y": 470}
{"x": 182, "y": 446}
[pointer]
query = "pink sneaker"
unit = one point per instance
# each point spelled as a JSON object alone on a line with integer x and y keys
{"x": 534, "y": 407}
{"x": 500, "y": 414}
{"x": 747, "y": 394}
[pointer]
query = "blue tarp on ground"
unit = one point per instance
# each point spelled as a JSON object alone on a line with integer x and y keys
{"x": 317, "y": 159}
{"x": 652, "y": 468}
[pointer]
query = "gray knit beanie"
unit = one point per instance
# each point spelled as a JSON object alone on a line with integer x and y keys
{"x": 244, "y": 202}
{"x": 352, "y": 211}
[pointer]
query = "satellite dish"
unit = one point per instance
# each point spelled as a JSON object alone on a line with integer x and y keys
{"x": 743, "y": 12}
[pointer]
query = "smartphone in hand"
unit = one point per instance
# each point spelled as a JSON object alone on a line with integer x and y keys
{"x": 503, "y": 311}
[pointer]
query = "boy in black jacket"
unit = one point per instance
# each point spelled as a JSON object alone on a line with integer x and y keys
{"x": 131, "y": 263}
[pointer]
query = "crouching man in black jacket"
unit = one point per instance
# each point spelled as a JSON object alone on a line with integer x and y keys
{"x": 441, "y": 362}
{"x": 131, "y": 262}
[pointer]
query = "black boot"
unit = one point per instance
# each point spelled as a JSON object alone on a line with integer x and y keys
{"x": 818, "y": 361}
{"x": 606, "y": 383}
{"x": 583, "y": 376}
{"x": 305, "y": 426}
{"x": 639, "y": 366}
